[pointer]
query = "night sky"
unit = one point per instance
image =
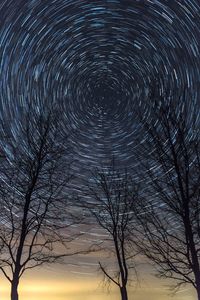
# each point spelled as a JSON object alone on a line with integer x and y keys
{"x": 96, "y": 60}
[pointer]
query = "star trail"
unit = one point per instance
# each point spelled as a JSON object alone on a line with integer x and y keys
{"x": 97, "y": 61}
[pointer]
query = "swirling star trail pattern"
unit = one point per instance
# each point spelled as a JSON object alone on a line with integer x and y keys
{"x": 96, "y": 60}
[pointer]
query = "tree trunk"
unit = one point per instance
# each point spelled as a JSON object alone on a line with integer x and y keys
{"x": 14, "y": 288}
{"x": 193, "y": 250}
{"x": 124, "y": 295}
{"x": 198, "y": 286}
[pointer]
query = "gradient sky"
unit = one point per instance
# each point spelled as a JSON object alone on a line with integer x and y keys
{"x": 96, "y": 60}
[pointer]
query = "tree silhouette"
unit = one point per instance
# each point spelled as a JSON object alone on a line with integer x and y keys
{"x": 33, "y": 207}
{"x": 169, "y": 213}
{"x": 112, "y": 198}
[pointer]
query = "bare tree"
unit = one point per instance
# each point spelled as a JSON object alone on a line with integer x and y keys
{"x": 112, "y": 197}
{"x": 33, "y": 205}
{"x": 169, "y": 211}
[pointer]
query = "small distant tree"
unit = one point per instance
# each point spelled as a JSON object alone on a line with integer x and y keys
{"x": 34, "y": 173}
{"x": 112, "y": 196}
{"x": 169, "y": 213}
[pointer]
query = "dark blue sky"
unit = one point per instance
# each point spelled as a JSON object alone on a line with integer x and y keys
{"x": 97, "y": 60}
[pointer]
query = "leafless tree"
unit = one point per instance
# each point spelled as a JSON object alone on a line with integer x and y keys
{"x": 169, "y": 211}
{"x": 33, "y": 203}
{"x": 112, "y": 197}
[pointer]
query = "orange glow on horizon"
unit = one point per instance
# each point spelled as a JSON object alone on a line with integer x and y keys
{"x": 35, "y": 287}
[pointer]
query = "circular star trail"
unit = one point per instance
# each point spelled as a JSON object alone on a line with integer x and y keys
{"x": 97, "y": 60}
